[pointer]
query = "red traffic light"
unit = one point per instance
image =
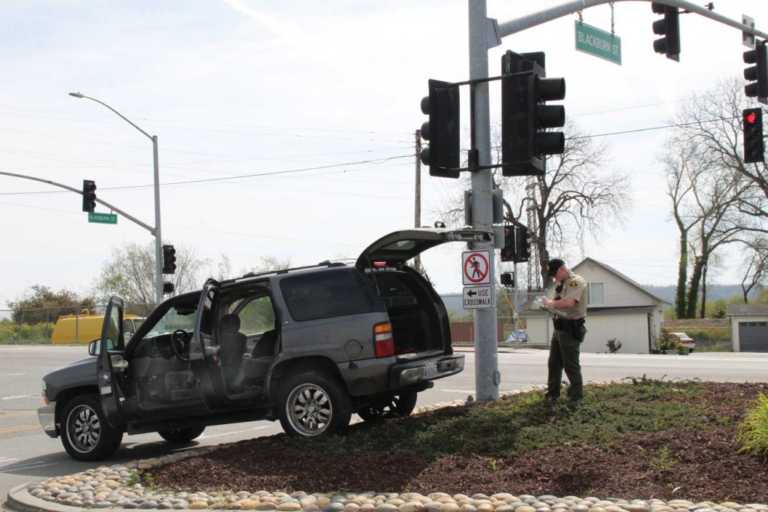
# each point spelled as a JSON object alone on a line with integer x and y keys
{"x": 750, "y": 117}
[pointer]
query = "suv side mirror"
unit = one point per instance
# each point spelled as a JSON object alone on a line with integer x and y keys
{"x": 94, "y": 348}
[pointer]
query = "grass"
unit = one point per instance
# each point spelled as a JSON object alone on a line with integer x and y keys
{"x": 24, "y": 334}
{"x": 753, "y": 430}
{"x": 521, "y": 423}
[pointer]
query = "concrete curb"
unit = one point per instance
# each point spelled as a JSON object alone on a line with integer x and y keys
{"x": 20, "y": 500}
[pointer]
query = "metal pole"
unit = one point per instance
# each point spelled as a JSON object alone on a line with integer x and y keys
{"x": 417, "y": 199}
{"x": 487, "y": 377}
{"x": 545, "y": 15}
{"x": 158, "y": 232}
{"x": 78, "y": 191}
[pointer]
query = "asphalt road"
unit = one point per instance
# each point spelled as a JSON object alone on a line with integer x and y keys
{"x": 26, "y": 454}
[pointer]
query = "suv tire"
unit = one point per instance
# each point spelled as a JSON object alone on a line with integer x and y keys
{"x": 86, "y": 435}
{"x": 397, "y": 405}
{"x": 181, "y": 435}
{"x": 312, "y": 404}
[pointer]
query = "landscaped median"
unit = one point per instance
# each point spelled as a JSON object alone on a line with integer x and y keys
{"x": 640, "y": 446}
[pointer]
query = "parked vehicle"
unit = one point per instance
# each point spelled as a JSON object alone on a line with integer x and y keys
{"x": 308, "y": 346}
{"x": 86, "y": 327}
{"x": 683, "y": 340}
{"x": 517, "y": 336}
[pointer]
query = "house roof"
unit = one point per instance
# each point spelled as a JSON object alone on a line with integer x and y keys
{"x": 747, "y": 310}
{"x": 621, "y": 276}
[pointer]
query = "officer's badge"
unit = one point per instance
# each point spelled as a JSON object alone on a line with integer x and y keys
{"x": 574, "y": 284}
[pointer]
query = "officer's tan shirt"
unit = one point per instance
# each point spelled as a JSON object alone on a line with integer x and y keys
{"x": 574, "y": 287}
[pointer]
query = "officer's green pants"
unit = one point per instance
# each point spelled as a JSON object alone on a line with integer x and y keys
{"x": 564, "y": 355}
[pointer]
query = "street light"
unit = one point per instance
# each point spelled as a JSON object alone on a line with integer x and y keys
{"x": 157, "y": 230}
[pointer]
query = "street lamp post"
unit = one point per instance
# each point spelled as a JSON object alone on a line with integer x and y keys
{"x": 157, "y": 230}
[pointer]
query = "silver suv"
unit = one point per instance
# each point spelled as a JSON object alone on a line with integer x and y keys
{"x": 309, "y": 346}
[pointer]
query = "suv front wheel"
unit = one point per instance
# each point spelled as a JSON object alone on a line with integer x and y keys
{"x": 312, "y": 404}
{"x": 86, "y": 435}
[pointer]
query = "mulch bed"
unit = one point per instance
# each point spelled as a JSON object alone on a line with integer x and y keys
{"x": 677, "y": 463}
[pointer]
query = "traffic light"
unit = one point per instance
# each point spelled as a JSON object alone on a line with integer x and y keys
{"x": 517, "y": 244}
{"x": 754, "y": 145}
{"x": 508, "y": 279}
{"x": 508, "y": 251}
{"x": 525, "y": 116}
{"x": 89, "y": 195}
{"x": 168, "y": 288}
{"x": 442, "y": 129}
{"x": 757, "y": 74}
{"x": 522, "y": 244}
{"x": 169, "y": 259}
{"x": 669, "y": 28}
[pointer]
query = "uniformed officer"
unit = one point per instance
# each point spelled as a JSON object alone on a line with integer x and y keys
{"x": 569, "y": 308}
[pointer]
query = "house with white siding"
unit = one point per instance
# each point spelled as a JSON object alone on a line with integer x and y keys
{"x": 618, "y": 309}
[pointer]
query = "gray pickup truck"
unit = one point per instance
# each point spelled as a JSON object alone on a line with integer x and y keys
{"x": 308, "y": 346}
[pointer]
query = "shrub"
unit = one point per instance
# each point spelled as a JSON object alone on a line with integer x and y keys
{"x": 753, "y": 430}
{"x": 13, "y": 333}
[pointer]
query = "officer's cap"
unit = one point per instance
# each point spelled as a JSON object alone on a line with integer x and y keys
{"x": 553, "y": 266}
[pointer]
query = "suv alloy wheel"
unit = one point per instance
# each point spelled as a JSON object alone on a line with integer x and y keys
{"x": 86, "y": 434}
{"x": 313, "y": 404}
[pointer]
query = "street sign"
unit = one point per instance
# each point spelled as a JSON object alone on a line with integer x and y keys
{"x": 748, "y": 39}
{"x": 102, "y": 218}
{"x": 598, "y": 42}
{"x": 475, "y": 267}
{"x": 477, "y": 297}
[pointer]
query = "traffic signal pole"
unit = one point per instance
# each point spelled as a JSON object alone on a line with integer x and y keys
{"x": 537, "y": 18}
{"x": 485, "y": 33}
{"x": 80, "y": 192}
{"x": 487, "y": 377}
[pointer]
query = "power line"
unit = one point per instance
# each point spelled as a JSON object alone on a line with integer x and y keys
{"x": 234, "y": 177}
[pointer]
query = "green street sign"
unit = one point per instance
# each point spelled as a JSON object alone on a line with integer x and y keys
{"x": 102, "y": 218}
{"x": 597, "y": 42}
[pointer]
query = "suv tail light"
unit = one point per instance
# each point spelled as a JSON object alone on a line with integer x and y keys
{"x": 383, "y": 342}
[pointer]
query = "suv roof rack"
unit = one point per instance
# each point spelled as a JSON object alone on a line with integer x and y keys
{"x": 251, "y": 275}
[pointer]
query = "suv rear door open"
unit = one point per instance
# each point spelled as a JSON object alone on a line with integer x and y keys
{"x": 420, "y": 325}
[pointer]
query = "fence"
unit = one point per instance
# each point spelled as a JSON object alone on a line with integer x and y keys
{"x": 61, "y": 325}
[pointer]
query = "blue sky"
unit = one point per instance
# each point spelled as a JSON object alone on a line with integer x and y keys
{"x": 245, "y": 86}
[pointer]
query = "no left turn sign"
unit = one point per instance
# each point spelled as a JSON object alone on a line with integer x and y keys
{"x": 475, "y": 267}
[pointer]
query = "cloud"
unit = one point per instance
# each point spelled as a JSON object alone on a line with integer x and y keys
{"x": 271, "y": 23}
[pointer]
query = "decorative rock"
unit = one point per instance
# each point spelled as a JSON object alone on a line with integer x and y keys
{"x": 198, "y": 505}
{"x": 449, "y": 507}
{"x": 247, "y": 504}
{"x": 289, "y": 506}
{"x": 386, "y": 507}
{"x": 411, "y": 506}
{"x": 525, "y": 508}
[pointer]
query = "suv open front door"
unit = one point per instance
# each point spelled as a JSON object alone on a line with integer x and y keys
{"x": 111, "y": 363}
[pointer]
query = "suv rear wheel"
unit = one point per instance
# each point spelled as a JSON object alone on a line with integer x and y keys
{"x": 86, "y": 435}
{"x": 181, "y": 435}
{"x": 313, "y": 404}
{"x": 397, "y": 405}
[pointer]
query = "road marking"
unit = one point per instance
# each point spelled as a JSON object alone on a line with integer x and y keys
{"x": 462, "y": 391}
{"x": 18, "y": 429}
{"x": 14, "y": 374}
{"x": 234, "y": 432}
{"x": 15, "y": 397}
{"x": 22, "y": 466}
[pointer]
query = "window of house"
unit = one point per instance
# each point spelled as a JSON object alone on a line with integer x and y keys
{"x": 596, "y": 294}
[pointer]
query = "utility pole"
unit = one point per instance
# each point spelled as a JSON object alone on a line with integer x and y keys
{"x": 417, "y": 204}
{"x": 487, "y": 377}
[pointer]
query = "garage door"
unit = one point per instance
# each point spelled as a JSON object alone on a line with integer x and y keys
{"x": 753, "y": 336}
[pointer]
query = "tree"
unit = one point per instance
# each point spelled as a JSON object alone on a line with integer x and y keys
{"x": 720, "y": 197}
{"x": 41, "y": 304}
{"x": 575, "y": 197}
{"x": 676, "y": 162}
{"x": 130, "y": 274}
{"x": 755, "y": 266}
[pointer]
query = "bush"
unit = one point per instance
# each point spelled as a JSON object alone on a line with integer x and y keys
{"x": 753, "y": 430}
{"x": 12, "y": 333}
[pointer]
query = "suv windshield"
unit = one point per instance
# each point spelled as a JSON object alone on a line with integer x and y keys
{"x": 174, "y": 319}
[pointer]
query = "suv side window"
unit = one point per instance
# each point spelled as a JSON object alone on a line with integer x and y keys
{"x": 256, "y": 316}
{"x": 326, "y": 294}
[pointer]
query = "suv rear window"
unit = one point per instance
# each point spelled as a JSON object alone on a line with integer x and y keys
{"x": 325, "y": 295}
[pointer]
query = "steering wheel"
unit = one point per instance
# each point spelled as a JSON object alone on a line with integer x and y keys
{"x": 180, "y": 344}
